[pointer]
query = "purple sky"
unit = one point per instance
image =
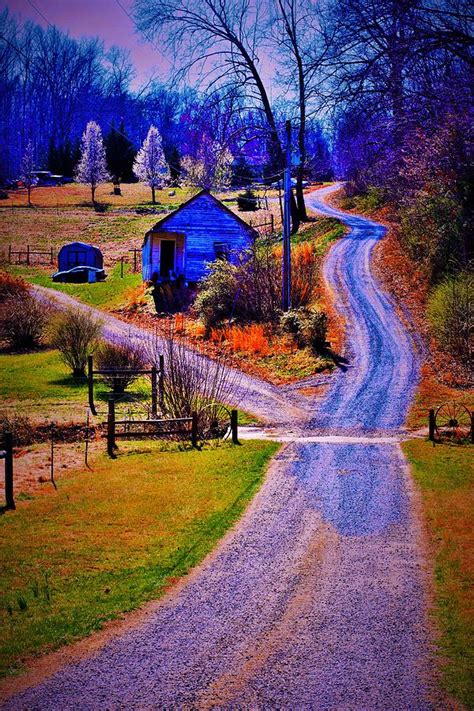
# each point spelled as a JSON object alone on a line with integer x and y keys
{"x": 102, "y": 18}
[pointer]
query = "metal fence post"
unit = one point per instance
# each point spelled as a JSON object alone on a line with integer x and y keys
{"x": 161, "y": 384}
{"x": 194, "y": 430}
{"x": 9, "y": 497}
{"x": 154, "y": 394}
{"x": 90, "y": 383}
{"x": 431, "y": 426}
{"x": 234, "y": 426}
{"x": 111, "y": 428}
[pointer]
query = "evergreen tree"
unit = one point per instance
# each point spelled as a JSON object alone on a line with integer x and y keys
{"x": 120, "y": 154}
{"x": 92, "y": 167}
{"x": 150, "y": 164}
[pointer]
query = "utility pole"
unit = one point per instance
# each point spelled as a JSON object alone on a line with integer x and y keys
{"x": 286, "y": 269}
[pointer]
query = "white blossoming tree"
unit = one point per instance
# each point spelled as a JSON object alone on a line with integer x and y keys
{"x": 150, "y": 165}
{"x": 27, "y": 167}
{"x": 92, "y": 166}
{"x": 212, "y": 168}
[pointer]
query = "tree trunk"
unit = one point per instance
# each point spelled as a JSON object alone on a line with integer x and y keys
{"x": 29, "y": 195}
{"x": 93, "y": 193}
{"x": 153, "y": 195}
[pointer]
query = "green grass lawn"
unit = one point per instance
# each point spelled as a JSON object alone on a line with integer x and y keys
{"x": 110, "y": 539}
{"x": 445, "y": 475}
{"x": 40, "y": 385}
{"x": 109, "y": 294}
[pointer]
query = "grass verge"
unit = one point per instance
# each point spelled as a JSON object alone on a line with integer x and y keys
{"x": 445, "y": 475}
{"x": 109, "y": 294}
{"x": 41, "y": 381}
{"x": 111, "y": 539}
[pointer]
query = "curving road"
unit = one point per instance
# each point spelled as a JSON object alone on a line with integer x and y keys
{"x": 316, "y": 600}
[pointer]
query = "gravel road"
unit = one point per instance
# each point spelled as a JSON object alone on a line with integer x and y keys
{"x": 316, "y": 600}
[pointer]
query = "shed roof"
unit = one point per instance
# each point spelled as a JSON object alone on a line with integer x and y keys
{"x": 160, "y": 223}
{"x": 82, "y": 245}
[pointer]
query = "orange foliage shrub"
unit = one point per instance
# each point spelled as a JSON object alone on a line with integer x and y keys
{"x": 243, "y": 339}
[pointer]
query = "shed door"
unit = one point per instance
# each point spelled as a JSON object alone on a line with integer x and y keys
{"x": 167, "y": 257}
{"x": 75, "y": 258}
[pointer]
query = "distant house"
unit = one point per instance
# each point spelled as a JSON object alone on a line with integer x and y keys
{"x": 79, "y": 254}
{"x": 199, "y": 231}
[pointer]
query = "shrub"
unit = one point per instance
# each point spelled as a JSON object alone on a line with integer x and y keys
{"x": 304, "y": 274}
{"x": 20, "y": 426}
{"x": 217, "y": 294}
{"x": 120, "y": 355}
{"x": 192, "y": 382}
{"x": 308, "y": 327}
{"x": 75, "y": 333}
{"x": 22, "y": 321}
{"x": 251, "y": 290}
{"x": 247, "y": 201}
{"x": 292, "y": 323}
{"x": 451, "y": 314}
{"x": 431, "y": 231}
{"x": 12, "y": 286}
{"x": 317, "y": 328}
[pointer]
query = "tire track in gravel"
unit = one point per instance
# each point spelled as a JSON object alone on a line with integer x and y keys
{"x": 317, "y": 598}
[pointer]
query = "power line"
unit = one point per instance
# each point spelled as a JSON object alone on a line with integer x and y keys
{"x": 40, "y": 13}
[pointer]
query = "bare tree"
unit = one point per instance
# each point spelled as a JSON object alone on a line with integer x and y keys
{"x": 221, "y": 39}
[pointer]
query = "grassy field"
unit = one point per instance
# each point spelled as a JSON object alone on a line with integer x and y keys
{"x": 39, "y": 384}
{"x": 445, "y": 475}
{"x": 110, "y": 539}
{"x": 109, "y": 295}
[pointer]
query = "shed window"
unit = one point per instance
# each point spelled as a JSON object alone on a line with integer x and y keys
{"x": 221, "y": 250}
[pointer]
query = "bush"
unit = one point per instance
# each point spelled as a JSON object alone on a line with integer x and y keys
{"x": 217, "y": 294}
{"x": 192, "y": 382}
{"x": 120, "y": 355}
{"x": 251, "y": 290}
{"x": 22, "y": 321}
{"x": 431, "y": 231}
{"x": 292, "y": 323}
{"x": 20, "y": 426}
{"x": 308, "y": 328}
{"x": 247, "y": 201}
{"x": 12, "y": 286}
{"x": 317, "y": 328}
{"x": 74, "y": 333}
{"x": 451, "y": 314}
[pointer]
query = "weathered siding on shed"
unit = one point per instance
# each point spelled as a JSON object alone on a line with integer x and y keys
{"x": 203, "y": 222}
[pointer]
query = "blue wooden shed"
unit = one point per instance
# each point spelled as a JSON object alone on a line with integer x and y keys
{"x": 79, "y": 254}
{"x": 199, "y": 231}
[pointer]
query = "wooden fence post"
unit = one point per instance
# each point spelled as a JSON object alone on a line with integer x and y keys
{"x": 161, "y": 383}
{"x": 111, "y": 428}
{"x": 121, "y": 267}
{"x": 28, "y": 254}
{"x": 9, "y": 254}
{"x": 154, "y": 394}
{"x": 194, "y": 430}
{"x": 9, "y": 497}
{"x": 234, "y": 426}
{"x": 52, "y": 257}
{"x": 431, "y": 426}
{"x": 90, "y": 383}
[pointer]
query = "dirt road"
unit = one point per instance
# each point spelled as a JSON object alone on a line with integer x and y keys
{"x": 316, "y": 600}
